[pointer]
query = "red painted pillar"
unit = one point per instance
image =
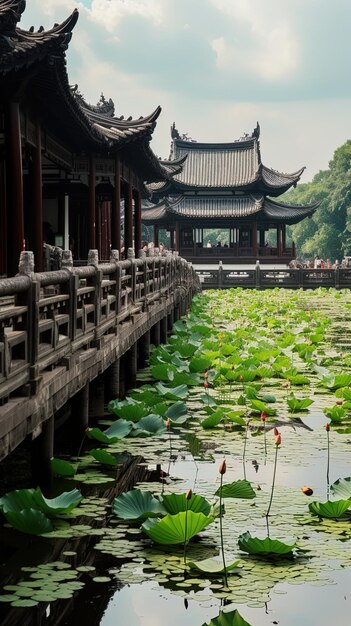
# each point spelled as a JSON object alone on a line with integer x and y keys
{"x": 15, "y": 214}
{"x": 137, "y": 221}
{"x": 92, "y": 207}
{"x": 116, "y": 210}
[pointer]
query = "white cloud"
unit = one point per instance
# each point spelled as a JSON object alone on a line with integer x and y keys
{"x": 109, "y": 13}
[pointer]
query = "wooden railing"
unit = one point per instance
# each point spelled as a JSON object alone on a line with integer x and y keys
{"x": 260, "y": 278}
{"x": 47, "y": 318}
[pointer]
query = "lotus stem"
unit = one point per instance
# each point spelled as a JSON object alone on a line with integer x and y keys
{"x": 244, "y": 450}
{"x": 277, "y": 444}
{"x": 327, "y": 428}
{"x": 222, "y": 470}
{"x": 188, "y": 496}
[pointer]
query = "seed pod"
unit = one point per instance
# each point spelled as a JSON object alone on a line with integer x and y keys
{"x": 223, "y": 467}
{"x": 327, "y": 427}
{"x": 189, "y": 494}
{"x": 308, "y": 491}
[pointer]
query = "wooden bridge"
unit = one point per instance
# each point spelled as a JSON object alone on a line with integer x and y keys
{"x": 222, "y": 277}
{"x": 61, "y": 330}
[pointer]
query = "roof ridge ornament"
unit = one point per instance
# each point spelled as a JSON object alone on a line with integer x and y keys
{"x": 10, "y": 13}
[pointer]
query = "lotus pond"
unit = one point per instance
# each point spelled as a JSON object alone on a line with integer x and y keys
{"x": 243, "y": 423}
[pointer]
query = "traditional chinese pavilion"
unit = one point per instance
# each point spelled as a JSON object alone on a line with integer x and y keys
{"x": 224, "y": 186}
{"x": 66, "y": 167}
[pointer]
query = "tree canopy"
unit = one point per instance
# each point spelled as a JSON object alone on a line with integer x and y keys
{"x": 328, "y": 232}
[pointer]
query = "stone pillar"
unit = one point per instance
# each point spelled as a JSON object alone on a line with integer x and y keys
{"x": 42, "y": 450}
{"x": 163, "y": 330}
{"x": 80, "y": 413}
{"x": 155, "y": 334}
{"x": 143, "y": 350}
{"x": 112, "y": 381}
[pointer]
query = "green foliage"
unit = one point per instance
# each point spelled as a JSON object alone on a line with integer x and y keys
{"x": 171, "y": 529}
{"x": 177, "y": 502}
{"x": 264, "y": 547}
{"x": 296, "y": 404}
{"x": 214, "y": 566}
{"x": 232, "y": 618}
{"x": 30, "y": 521}
{"x": 237, "y": 489}
{"x": 60, "y": 467}
{"x": 329, "y": 509}
{"x": 137, "y": 505}
{"x": 342, "y": 488}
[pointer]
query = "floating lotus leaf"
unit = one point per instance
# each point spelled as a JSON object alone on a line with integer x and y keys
{"x": 337, "y": 381}
{"x": 298, "y": 379}
{"x": 137, "y": 505}
{"x": 30, "y": 521}
{"x": 213, "y": 420}
{"x": 232, "y": 618}
{"x": 264, "y": 547}
{"x": 119, "y": 429}
{"x": 208, "y": 400}
{"x": 18, "y": 500}
{"x": 237, "y": 489}
{"x": 104, "y": 457}
{"x": 259, "y": 406}
{"x": 60, "y": 467}
{"x": 296, "y": 404}
{"x": 343, "y": 392}
{"x": 150, "y": 425}
{"x": 200, "y": 363}
{"x": 214, "y": 566}
{"x": 329, "y": 509}
{"x": 342, "y": 488}
{"x": 128, "y": 410}
{"x": 171, "y": 529}
{"x": 176, "y": 502}
{"x": 64, "y": 503}
{"x": 236, "y": 417}
{"x": 335, "y": 413}
{"x": 172, "y": 393}
{"x": 177, "y": 412}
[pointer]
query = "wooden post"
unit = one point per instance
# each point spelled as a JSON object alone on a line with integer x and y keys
{"x": 131, "y": 367}
{"x": 137, "y": 221}
{"x": 112, "y": 381}
{"x": 14, "y": 183}
{"x": 155, "y": 334}
{"x": 116, "y": 210}
{"x": 37, "y": 204}
{"x": 254, "y": 239}
{"x": 92, "y": 207}
{"x": 163, "y": 330}
{"x": 80, "y": 413}
{"x": 143, "y": 350}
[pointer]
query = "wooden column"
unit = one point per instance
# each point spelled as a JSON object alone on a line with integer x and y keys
{"x": 279, "y": 240}
{"x": 42, "y": 450}
{"x": 254, "y": 239}
{"x": 92, "y": 207}
{"x": 128, "y": 216}
{"x": 156, "y": 235}
{"x": 137, "y": 221}
{"x": 116, "y": 210}
{"x": 15, "y": 215}
{"x": 37, "y": 204}
{"x": 262, "y": 236}
{"x": 3, "y": 219}
{"x": 283, "y": 238}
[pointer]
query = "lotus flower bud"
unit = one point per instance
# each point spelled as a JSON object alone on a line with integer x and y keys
{"x": 168, "y": 423}
{"x": 189, "y": 494}
{"x": 276, "y": 432}
{"x": 339, "y": 401}
{"x": 223, "y": 467}
{"x": 263, "y": 416}
{"x": 278, "y": 440}
{"x": 206, "y": 375}
{"x": 307, "y": 490}
{"x": 327, "y": 427}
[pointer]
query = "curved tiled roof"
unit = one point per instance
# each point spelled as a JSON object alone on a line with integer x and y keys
{"x": 119, "y": 129}
{"x": 225, "y": 207}
{"x": 272, "y": 178}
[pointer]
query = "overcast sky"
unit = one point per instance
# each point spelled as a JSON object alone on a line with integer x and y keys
{"x": 217, "y": 67}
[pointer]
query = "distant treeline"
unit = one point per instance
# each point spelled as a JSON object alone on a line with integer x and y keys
{"x": 328, "y": 232}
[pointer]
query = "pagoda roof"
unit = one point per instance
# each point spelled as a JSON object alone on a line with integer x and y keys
{"x": 83, "y": 125}
{"x": 224, "y": 207}
{"x": 235, "y": 165}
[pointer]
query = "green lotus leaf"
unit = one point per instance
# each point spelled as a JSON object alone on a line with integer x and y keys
{"x": 329, "y": 509}
{"x": 176, "y": 502}
{"x": 200, "y": 363}
{"x": 232, "y": 618}
{"x": 177, "y": 412}
{"x": 96, "y": 433}
{"x": 213, "y": 420}
{"x": 264, "y": 372}
{"x": 265, "y": 547}
{"x": 164, "y": 371}
{"x": 237, "y": 489}
{"x": 236, "y": 417}
{"x": 171, "y": 529}
{"x": 298, "y": 379}
{"x": 30, "y": 521}
{"x": 186, "y": 350}
{"x": 259, "y": 406}
{"x": 103, "y": 456}
{"x": 150, "y": 425}
{"x": 343, "y": 392}
{"x": 128, "y": 410}
{"x": 268, "y": 397}
{"x": 296, "y": 404}
{"x": 172, "y": 393}
{"x": 64, "y": 503}
{"x": 17, "y": 500}
{"x": 208, "y": 400}
{"x": 342, "y": 488}
{"x": 214, "y": 566}
{"x": 60, "y": 467}
{"x": 137, "y": 505}
{"x": 334, "y": 382}
{"x": 335, "y": 413}
{"x": 120, "y": 429}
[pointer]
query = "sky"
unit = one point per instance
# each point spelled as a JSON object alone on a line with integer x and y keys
{"x": 217, "y": 67}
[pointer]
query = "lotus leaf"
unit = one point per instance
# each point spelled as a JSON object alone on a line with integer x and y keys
{"x": 335, "y": 413}
{"x": 213, "y": 420}
{"x": 176, "y": 502}
{"x": 236, "y": 417}
{"x": 296, "y": 404}
{"x": 298, "y": 379}
{"x": 120, "y": 429}
{"x": 232, "y": 618}
{"x": 343, "y": 392}
{"x": 264, "y": 547}
{"x": 177, "y": 413}
{"x": 171, "y": 529}
{"x": 30, "y": 521}
{"x": 172, "y": 393}
{"x": 259, "y": 406}
{"x": 60, "y": 467}
{"x": 150, "y": 425}
{"x": 237, "y": 489}
{"x": 334, "y": 382}
{"x": 214, "y": 566}
{"x": 137, "y": 505}
{"x": 342, "y": 488}
{"x": 132, "y": 411}
{"x": 329, "y": 509}
{"x": 18, "y": 500}
{"x": 200, "y": 363}
{"x": 64, "y": 503}
{"x": 103, "y": 456}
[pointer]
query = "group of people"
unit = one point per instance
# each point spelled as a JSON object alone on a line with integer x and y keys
{"x": 317, "y": 263}
{"x": 218, "y": 245}
{"x": 147, "y": 246}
